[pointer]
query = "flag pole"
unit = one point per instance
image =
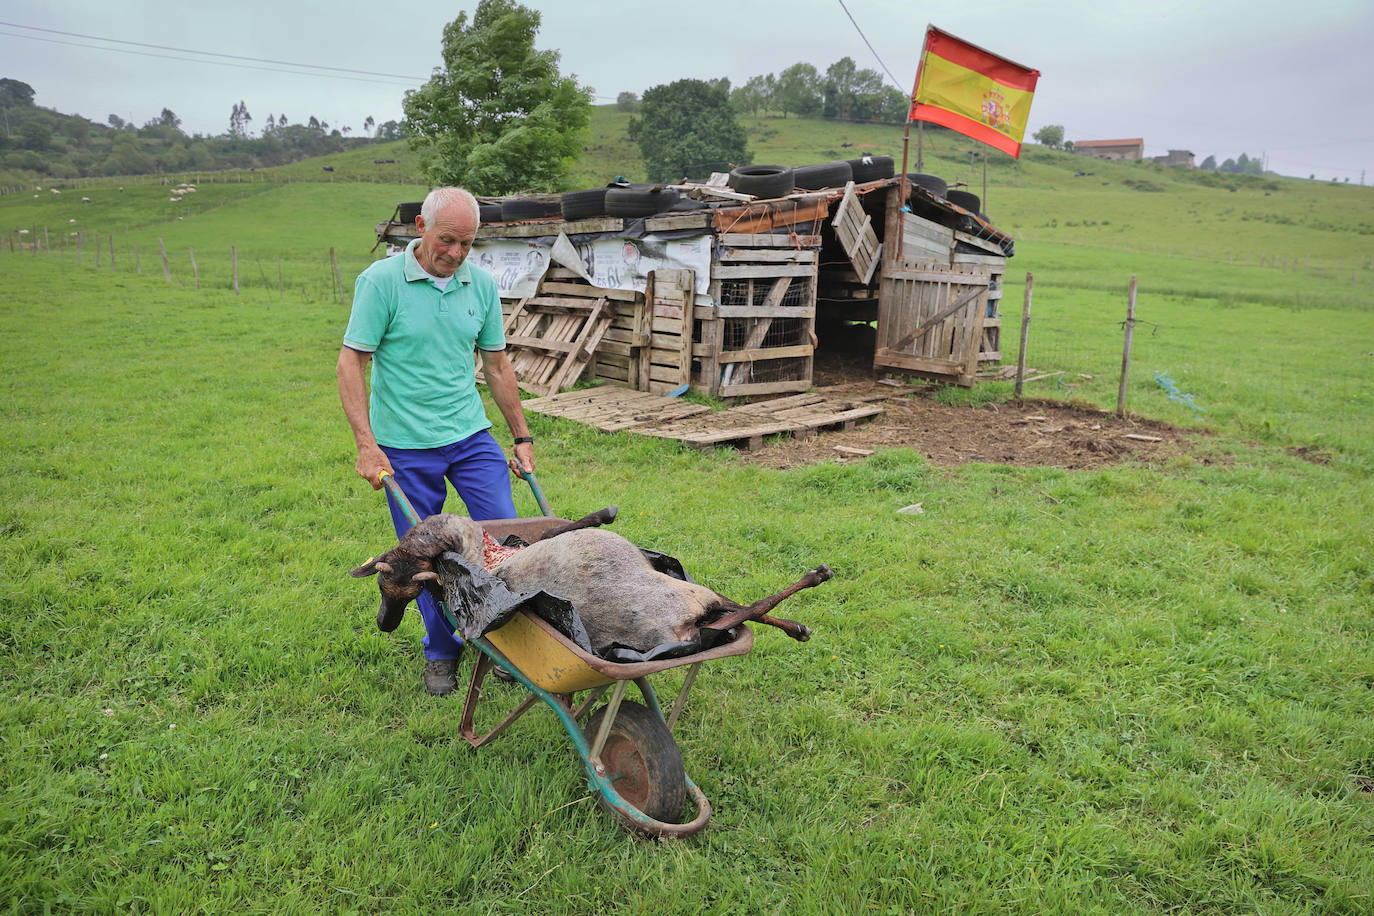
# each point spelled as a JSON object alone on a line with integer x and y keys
{"x": 904, "y": 184}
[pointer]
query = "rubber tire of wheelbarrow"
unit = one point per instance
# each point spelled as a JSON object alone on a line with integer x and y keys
{"x": 641, "y": 740}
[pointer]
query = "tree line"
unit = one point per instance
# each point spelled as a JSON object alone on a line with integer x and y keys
{"x": 39, "y": 142}
{"x": 844, "y": 92}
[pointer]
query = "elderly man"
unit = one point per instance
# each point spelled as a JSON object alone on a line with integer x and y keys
{"x": 418, "y": 318}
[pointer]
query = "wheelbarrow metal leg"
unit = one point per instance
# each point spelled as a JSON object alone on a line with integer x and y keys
{"x": 466, "y": 727}
{"x": 592, "y": 696}
{"x": 612, "y": 707}
{"x": 682, "y": 695}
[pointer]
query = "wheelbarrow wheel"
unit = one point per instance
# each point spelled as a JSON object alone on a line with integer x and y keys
{"x": 642, "y": 762}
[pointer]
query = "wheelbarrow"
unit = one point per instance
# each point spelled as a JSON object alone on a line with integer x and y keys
{"x": 632, "y": 762}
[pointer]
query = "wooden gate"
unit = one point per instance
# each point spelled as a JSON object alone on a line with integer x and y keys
{"x": 930, "y": 321}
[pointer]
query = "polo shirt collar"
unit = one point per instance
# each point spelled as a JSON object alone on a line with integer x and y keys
{"x": 413, "y": 270}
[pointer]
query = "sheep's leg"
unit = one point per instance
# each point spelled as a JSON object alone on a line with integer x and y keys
{"x": 594, "y": 520}
{"x": 759, "y": 609}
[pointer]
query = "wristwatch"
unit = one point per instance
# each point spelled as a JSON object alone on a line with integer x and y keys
{"x": 519, "y": 439}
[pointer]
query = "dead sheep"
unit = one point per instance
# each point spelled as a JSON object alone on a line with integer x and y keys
{"x": 620, "y": 597}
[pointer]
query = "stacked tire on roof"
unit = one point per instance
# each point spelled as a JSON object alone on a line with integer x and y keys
{"x": 765, "y": 182}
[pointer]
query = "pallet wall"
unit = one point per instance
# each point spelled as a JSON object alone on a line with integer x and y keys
{"x": 759, "y": 337}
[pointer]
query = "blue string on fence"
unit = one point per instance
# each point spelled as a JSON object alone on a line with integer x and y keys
{"x": 1165, "y": 382}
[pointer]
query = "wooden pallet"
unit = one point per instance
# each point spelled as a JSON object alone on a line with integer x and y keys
{"x": 854, "y": 228}
{"x": 551, "y": 339}
{"x": 801, "y": 415}
{"x": 611, "y": 408}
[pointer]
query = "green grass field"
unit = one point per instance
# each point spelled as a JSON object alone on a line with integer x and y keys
{"x": 1139, "y": 689}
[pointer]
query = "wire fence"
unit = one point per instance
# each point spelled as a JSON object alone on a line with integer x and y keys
{"x": 307, "y": 276}
{"x": 1352, "y": 268}
{"x": 233, "y": 176}
{"x": 1277, "y": 381}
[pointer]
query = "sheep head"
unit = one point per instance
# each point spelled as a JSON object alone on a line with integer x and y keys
{"x": 403, "y": 571}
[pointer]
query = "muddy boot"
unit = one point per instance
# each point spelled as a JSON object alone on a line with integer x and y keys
{"x": 441, "y": 676}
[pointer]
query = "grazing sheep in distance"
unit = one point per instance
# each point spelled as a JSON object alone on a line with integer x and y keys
{"x": 620, "y": 597}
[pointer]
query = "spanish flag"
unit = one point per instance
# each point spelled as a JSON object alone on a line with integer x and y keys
{"x": 973, "y": 91}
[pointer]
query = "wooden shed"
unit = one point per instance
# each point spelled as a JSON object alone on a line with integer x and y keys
{"x": 729, "y": 299}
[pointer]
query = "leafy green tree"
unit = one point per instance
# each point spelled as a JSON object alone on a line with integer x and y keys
{"x": 754, "y": 96}
{"x": 851, "y": 93}
{"x": 499, "y": 117}
{"x": 688, "y": 128}
{"x": 1051, "y": 135}
{"x": 798, "y": 90}
{"x": 392, "y": 130}
{"x": 239, "y": 119}
{"x": 14, "y": 94}
{"x": 1228, "y": 166}
{"x": 627, "y": 101}
{"x": 35, "y": 135}
{"x": 1209, "y": 164}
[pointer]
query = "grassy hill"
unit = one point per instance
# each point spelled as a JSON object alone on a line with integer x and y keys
{"x": 1140, "y": 689}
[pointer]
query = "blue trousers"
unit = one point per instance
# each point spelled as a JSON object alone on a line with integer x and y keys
{"x": 477, "y": 468}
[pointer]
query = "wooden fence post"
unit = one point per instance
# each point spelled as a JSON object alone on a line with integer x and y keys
{"x": 194, "y": 269}
{"x": 279, "y": 285}
{"x": 47, "y": 246}
{"x": 338, "y": 287}
{"x": 234, "y": 252}
{"x": 166, "y": 270}
{"x": 80, "y": 244}
{"x": 138, "y": 265}
{"x": 1126, "y": 352}
{"x": 112, "y": 266}
{"x": 1025, "y": 333}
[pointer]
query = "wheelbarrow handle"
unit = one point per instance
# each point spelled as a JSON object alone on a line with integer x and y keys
{"x": 409, "y": 511}
{"x": 538, "y": 493}
{"x": 394, "y": 489}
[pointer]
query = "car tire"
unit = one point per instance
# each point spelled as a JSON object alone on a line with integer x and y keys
{"x": 871, "y": 168}
{"x": 518, "y": 208}
{"x": 825, "y": 175}
{"x": 763, "y": 181}
{"x": 969, "y": 202}
{"x": 583, "y": 204}
{"x": 634, "y": 203}
{"x": 932, "y": 183}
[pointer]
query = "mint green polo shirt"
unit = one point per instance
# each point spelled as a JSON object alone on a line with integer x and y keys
{"x": 424, "y": 394}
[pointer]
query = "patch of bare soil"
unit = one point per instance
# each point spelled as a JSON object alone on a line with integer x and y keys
{"x": 1028, "y": 432}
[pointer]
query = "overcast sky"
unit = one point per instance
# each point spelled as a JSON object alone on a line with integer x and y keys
{"x": 1222, "y": 77}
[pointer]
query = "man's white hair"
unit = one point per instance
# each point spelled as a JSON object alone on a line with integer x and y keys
{"x": 440, "y": 198}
